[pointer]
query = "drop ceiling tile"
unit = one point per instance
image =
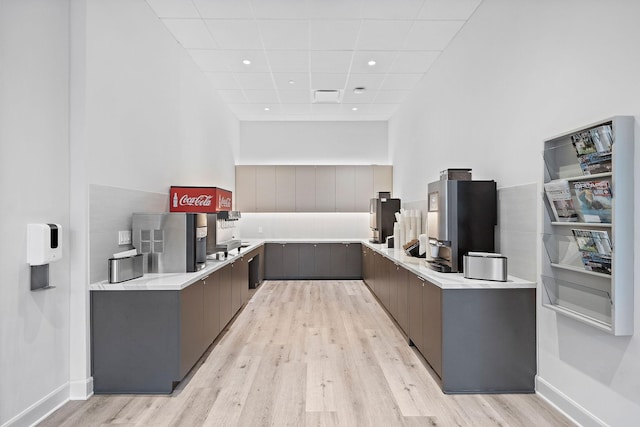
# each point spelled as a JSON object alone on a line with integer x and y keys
{"x": 382, "y": 35}
{"x": 255, "y": 109}
{"x": 384, "y": 60}
{"x": 235, "y": 33}
{"x": 262, "y": 96}
{"x": 190, "y": 33}
{"x": 333, "y": 61}
{"x": 294, "y": 61}
{"x": 295, "y": 96}
{"x": 300, "y": 81}
{"x": 221, "y": 9}
{"x": 223, "y": 80}
{"x": 350, "y": 97}
{"x": 369, "y": 81}
{"x": 392, "y": 96}
{"x": 414, "y": 62}
{"x": 333, "y": 34}
{"x": 400, "y": 81}
{"x": 289, "y": 35}
{"x": 279, "y": 9}
{"x": 210, "y": 60}
{"x": 332, "y": 9}
{"x": 326, "y": 108}
{"x": 296, "y": 108}
{"x": 396, "y": 9}
{"x": 174, "y": 8}
{"x": 255, "y": 81}
{"x": 382, "y": 109}
{"x": 431, "y": 35}
{"x": 232, "y": 96}
{"x": 258, "y": 60}
{"x": 448, "y": 9}
{"x": 328, "y": 80}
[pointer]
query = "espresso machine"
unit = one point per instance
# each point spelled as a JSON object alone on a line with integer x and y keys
{"x": 461, "y": 217}
{"x": 382, "y": 212}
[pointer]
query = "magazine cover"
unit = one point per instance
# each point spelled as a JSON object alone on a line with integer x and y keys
{"x": 596, "y": 262}
{"x": 594, "y": 199}
{"x": 595, "y": 241}
{"x": 602, "y": 138}
{"x": 559, "y": 195}
{"x": 583, "y": 143}
{"x": 595, "y": 163}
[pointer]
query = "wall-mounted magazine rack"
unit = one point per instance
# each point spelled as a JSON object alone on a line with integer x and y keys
{"x": 594, "y": 289}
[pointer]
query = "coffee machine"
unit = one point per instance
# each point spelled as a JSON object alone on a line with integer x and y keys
{"x": 382, "y": 212}
{"x": 171, "y": 242}
{"x": 461, "y": 217}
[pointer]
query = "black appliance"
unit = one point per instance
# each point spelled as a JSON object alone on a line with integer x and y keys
{"x": 382, "y": 212}
{"x": 461, "y": 217}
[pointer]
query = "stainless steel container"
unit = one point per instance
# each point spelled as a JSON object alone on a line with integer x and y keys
{"x": 485, "y": 266}
{"x": 123, "y": 269}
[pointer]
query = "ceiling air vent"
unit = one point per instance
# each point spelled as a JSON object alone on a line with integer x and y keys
{"x": 326, "y": 96}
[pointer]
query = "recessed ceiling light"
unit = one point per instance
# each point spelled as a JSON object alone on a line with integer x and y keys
{"x": 292, "y": 82}
{"x": 371, "y": 63}
{"x": 246, "y": 62}
{"x": 267, "y": 109}
{"x": 359, "y": 90}
{"x": 354, "y": 109}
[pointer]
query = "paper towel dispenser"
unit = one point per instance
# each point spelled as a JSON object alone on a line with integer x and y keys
{"x": 43, "y": 243}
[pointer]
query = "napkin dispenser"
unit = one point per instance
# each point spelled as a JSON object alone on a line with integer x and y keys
{"x": 485, "y": 266}
{"x": 126, "y": 268}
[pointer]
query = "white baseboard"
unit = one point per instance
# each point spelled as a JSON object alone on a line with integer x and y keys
{"x": 576, "y": 413}
{"x": 81, "y": 390}
{"x": 41, "y": 408}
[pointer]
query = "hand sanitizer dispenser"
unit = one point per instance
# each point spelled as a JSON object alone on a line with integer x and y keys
{"x": 43, "y": 247}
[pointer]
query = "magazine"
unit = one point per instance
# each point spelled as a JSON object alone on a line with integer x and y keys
{"x": 602, "y": 138}
{"x": 593, "y": 148}
{"x": 559, "y": 195}
{"x": 593, "y": 163}
{"x": 596, "y": 262}
{"x": 594, "y": 200}
{"x": 583, "y": 143}
{"x": 595, "y": 241}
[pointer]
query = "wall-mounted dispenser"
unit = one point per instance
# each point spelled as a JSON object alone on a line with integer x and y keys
{"x": 43, "y": 247}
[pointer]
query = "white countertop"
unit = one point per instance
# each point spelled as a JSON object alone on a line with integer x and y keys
{"x": 445, "y": 280}
{"x": 178, "y": 281}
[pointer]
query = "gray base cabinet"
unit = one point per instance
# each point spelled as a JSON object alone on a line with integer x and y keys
{"x": 148, "y": 341}
{"x": 313, "y": 261}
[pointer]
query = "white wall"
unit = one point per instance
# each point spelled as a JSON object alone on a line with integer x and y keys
{"x": 34, "y": 183}
{"x": 518, "y": 73}
{"x": 316, "y": 143}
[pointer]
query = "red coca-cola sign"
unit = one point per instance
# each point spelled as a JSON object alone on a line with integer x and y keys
{"x": 199, "y": 199}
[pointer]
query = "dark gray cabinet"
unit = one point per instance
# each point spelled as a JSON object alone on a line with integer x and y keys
{"x": 192, "y": 339}
{"x": 401, "y": 282}
{"x": 432, "y": 325}
{"x": 382, "y": 288}
{"x": 223, "y": 278}
{"x": 211, "y": 315}
{"x": 415, "y": 311}
{"x": 313, "y": 261}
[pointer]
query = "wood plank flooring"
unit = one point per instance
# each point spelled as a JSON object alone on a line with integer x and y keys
{"x": 310, "y": 353}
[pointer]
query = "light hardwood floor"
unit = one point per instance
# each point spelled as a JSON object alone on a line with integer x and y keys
{"x": 310, "y": 353}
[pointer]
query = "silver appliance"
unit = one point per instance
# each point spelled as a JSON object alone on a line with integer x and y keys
{"x": 382, "y": 212}
{"x": 485, "y": 266}
{"x": 222, "y": 235}
{"x": 461, "y": 217}
{"x": 171, "y": 242}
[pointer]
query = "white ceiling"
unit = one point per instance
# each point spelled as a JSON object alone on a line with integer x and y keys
{"x": 299, "y": 46}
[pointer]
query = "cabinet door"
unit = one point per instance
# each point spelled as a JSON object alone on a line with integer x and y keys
{"x": 223, "y": 277}
{"x": 338, "y": 260}
{"x": 265, "y": 188}
{"x": 273, "y": 261}
{"x": 382, "y": 280}
{"x": 305, "y": 188}
{"x": 306, "y": 264}
{"x": 325, "y": 189}
{"x": 364, "y": 187}
{"x": 365, "y": 263}
{"x": 192, "y": 341}
{"x": 415, "y": 311}
{"x": 290, "y": 260}
{"x": 285, "y": 188}
{"x": 432, "y": 325}
{"x": 393, "y": 289}
{"x": 245, "y": 194}
{"x": 238, "y": 280}
{"x": 322, "y": 260}
{"x": 382, "y": 179}
{"x": 375, "y": 259}
{"x": 402, "y": 285}
{"x": 345, "y": 189}
{"x": 211, "y": 308}
{"x": 354, "y": 260}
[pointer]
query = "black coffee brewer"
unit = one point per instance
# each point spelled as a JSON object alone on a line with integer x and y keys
{"x": 382, "y": 211}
